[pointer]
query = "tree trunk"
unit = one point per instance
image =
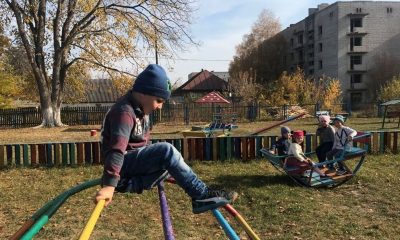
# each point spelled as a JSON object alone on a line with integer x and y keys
{"x": 48, "y": 117}
{"x": 57, "y": 117}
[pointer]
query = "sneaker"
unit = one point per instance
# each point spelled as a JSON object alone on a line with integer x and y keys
{"x": 213, "y": 199}
{"x": 341, "y": 172}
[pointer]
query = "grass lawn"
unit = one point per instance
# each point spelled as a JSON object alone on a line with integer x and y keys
{"x": 366, "y": 207}
{"x": 169, "y": 130}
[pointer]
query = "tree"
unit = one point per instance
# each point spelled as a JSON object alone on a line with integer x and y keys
{"x": 383, "y": 70}
{"x": 9, "y": 82}
{"x": 390, "y": 90}
{"x": 259, "y": 58}
{"x": 59, "y": 33}
{"x": 297, "y": 89}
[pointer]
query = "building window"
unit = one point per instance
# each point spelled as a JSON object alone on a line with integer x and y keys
{"x": 320, "y": 64}
{"x": 311, "y": 54}
{"x": 301, "y": 56}
{"x": 331, "y": 14}
{"x": 355, "y": 41}
{"x": 300, "y": 39}
{"x": 356, "y": 97}
{"x": 355, "y": 60}
{"x": 311, "y": 63}
{"x": 291, "y": 42}
{"x": 311, "y": 46}
{"x": 355, "y": 23}
{"x": 389, "y": 10}
{"x": 356, "y": 78}
{"x": 311, "y": 71}
{"x": 292, "y": 56}
{"x": 320, "y": 30}
{"x": 320, "y": 47}
{"x": 358, "y": 10}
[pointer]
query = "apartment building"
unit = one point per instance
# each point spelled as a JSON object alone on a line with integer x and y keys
{"x": 341, "y": 40}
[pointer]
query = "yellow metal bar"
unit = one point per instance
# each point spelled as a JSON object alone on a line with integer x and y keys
{"x": 246, "y": 227}
{"x": 87, "y": 231}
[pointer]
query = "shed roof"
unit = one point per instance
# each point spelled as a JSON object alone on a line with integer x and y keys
{"x": 204, "y": 81}
{"x": 212, "y": 97}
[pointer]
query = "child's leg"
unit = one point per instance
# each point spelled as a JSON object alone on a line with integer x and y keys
{"x": 158, "y": 157}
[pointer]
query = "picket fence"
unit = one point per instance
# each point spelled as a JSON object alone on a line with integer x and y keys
{"x": 203, "y": 149}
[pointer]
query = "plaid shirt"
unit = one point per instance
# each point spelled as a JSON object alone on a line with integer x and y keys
{"x": 125, "y": 128}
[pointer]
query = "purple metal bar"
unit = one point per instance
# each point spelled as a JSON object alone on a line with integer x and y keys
{"x": 167, "y": 225}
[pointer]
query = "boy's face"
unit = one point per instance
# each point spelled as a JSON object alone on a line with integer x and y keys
{"x": 286, "y": 135}
{"x": 337, "y": 123}
{"x": 151, "y": 103}
{"x": 323, "y": 123}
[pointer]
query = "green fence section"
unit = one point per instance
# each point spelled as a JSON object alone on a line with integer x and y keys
{"x": 203, "y": 149}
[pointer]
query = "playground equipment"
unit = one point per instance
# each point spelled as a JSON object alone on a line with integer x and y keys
{"x": 223, "y": 122}
{"x": 352, "y": 159}
{"x": 43, "y": 215}
{"x": 277, "y": 124}
{"x": 393, "y": 112}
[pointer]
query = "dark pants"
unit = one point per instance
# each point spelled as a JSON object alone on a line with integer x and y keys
{"x": 322, "y": 149}
{"x": 335, "y": 153}
{"x": 144, "y": 168}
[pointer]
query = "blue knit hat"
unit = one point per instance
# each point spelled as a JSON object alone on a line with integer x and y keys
{"x": 153, "y": 81}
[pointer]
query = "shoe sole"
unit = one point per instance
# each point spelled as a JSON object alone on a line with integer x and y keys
{"x": 209, "y": 207}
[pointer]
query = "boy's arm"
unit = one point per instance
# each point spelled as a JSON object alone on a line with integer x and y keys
{"x": 351, "y": 133}
{"x": 121, "y": 126}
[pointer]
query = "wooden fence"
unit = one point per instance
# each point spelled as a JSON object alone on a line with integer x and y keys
{"x": 203, "y": 149}
{"x": 28, "y": 117}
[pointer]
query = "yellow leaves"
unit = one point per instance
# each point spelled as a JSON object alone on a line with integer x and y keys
{"x": 86, "y": 5}
{"x": 10, "y": 88}
{"x": 390, "y": 90}
{"x": 296, "y": 88}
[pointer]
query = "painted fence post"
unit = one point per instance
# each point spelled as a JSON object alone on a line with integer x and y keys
{"x": 34, "y": 155}
{"x": 88, "y": 153}
{"x": 25, "y": 154}
{"x": 2, "y": 157}
{"x": 17, "y": 154}
{"x": 9, "y": 150}
{"x": 64, "y": 152}
{"x": 57, "y": 154}
{"x": 49, "y": 153}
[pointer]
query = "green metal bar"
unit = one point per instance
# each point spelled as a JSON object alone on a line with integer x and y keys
{"x": 50, "y": 208}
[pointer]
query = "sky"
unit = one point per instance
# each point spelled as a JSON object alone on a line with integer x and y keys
{"x": 219, "y": 26}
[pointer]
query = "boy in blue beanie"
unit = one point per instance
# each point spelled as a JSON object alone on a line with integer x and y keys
{"x": 131, "y": 163}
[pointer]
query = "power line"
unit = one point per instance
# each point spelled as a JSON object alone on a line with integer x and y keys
{"x": 191, "y": 59}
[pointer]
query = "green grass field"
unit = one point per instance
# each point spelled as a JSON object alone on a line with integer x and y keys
{"x": 366, "y": 207}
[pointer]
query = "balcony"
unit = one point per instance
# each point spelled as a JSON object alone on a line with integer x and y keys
{"x": 357, "y": 68}
{"x": 357, "y": 31}
{"x": 357, "y": 49}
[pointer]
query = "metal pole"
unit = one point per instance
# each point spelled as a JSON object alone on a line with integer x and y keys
{"x": 167, "y": 225}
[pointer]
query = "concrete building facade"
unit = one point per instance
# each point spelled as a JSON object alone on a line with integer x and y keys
{"x": 341, "y": 40}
